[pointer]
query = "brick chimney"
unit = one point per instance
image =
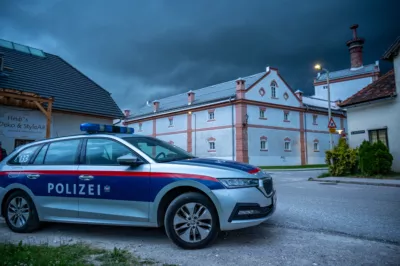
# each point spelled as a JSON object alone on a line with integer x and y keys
{"x": 299, "y": 94}
{"x": 190, "y": 97}
{"x": 156, "y": 106}
{"x": 240, "y": 88}
{"x": 355, "y": 47}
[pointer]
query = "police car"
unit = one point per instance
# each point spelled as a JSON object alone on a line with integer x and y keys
{"x": 109, "y": 175}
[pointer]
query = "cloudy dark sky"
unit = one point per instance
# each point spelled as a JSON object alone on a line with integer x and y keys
{"x": 142, "y": 50}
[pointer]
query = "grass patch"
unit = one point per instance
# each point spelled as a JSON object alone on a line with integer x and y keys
{"x": 308, "y": 166}
{"x": 65, "y": 255}
{"x": 392, "y": 176}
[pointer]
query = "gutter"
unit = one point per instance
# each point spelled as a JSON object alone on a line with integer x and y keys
{"x": 188, "y": 108}
{"x": 378, "y": 100}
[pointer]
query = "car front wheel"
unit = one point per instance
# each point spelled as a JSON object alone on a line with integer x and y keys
{"x": 20, "y": 213}
{"x": 191, "y": 221}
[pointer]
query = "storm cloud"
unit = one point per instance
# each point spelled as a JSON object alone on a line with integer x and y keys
{"x": 144, "y": 50}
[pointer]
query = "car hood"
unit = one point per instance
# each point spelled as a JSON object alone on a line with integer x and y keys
{"x": 210, "y": 162}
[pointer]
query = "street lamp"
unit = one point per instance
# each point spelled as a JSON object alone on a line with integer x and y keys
{"x": 195, "y": 131}
{"x": 318, "y": 67}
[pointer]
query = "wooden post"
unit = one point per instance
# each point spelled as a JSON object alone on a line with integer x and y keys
{"x": 48, "y": 118}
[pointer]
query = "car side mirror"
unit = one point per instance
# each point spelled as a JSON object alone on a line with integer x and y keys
{"x": 129, "y": 159}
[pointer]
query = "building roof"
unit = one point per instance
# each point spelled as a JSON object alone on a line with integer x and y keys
{"x": 32, "y": 70}
{"x": 393, "y": 50}
{"x": 383, "y": 87}
{"x": 344, "y": 73}
{"x": 311, "y": 101}
{"x": 204, "y": 95}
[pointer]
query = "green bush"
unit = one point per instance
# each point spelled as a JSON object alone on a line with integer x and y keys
{"x": 375, "y": 159}
{"x": 342, "y": 160}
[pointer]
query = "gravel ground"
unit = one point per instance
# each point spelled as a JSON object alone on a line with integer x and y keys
{"x": 314, "y": 225}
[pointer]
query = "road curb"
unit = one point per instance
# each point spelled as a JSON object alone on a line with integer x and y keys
{"x": 296, "y": 169}
{"x": 354, "y": 182}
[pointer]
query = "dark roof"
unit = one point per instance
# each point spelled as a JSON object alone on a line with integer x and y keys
{"x": 382, "y": 88}
{"x": 49, "y": 75}
{"x": 393, "y": 50}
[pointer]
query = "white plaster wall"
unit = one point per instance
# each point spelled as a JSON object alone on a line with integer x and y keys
{"x": 342, "y": 90}
{"x": 222, "y": 115}
{"x": 147, "y": 128}
{"x": 179, "y": 139}
{"x": 223, "y": 143}
{"x": 253, "y": 93}
{"x": 276, "y": 155}
{"x": 180, "y": 123}
{"x": 318, "y": 157}
{"x": 62, "y": 125}
{"x": 396, "y": 65}
{"x": 275, "y": 117}
{"x": 322, "y": 122}
{"x": 375, "y": 116}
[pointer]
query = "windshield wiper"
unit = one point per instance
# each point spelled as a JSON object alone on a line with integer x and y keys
{"x": 178, "y": 159}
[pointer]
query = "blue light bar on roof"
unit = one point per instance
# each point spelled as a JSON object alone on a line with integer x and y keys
{"x": 97, "y": 128}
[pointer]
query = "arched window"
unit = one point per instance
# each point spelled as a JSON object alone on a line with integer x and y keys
{"x": 273, "y": 89}
{"x": 263, "y": 143}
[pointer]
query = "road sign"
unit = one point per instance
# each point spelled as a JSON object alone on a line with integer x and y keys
{"x": 331, "y": 123}
{"x": 332, "y": 130}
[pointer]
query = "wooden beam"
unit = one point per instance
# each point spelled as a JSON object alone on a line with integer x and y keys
{"x": 23, "y": 97}
{"x": 41, "y": 109}
{"x": 48, "y": 120}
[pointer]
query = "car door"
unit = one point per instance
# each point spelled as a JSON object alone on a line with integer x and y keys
{"x": 111, "y": 192}
{"x": 52, "y": 177}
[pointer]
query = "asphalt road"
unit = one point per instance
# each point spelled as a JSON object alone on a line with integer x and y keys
{"x": 315, "y": 224}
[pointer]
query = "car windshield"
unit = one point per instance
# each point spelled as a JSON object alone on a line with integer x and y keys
{"x": 160, "y": 151}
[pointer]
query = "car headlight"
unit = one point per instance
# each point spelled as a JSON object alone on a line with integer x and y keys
{"x": 239, "y": 182}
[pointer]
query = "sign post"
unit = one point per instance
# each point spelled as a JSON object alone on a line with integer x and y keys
{"x": 332, "y": 128}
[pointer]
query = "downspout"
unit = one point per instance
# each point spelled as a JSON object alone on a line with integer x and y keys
{"x": 305, "y": 133}
{"x": 233, "y": 131}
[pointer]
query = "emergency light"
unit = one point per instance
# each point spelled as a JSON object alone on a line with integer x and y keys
{"x": 97, "y": 128}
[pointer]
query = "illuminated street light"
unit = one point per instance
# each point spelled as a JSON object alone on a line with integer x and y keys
{"x": 319, "y": 67}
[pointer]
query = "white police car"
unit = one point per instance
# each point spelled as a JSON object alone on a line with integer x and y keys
{"x": 111, "y": 176}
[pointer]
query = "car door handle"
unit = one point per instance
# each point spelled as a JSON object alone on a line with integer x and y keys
{"x": 86, "y": 177}
{"x": 33, "y": 176}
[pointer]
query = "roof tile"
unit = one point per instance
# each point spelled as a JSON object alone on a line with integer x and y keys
{"x": 52, "y": 76}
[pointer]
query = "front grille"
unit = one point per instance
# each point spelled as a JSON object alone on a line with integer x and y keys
{"x": 268, "y": 186}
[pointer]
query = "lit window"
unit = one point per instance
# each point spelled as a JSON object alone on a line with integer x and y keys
{"x": 378, "y": 134}
{"x": 286, "y": 116}
{"x": 287, "y": 144}
{"x": 273, "y": 89}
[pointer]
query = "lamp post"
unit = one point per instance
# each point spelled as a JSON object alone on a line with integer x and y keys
{"x": 318, "y": 67}
{"x": 195, "y": 137}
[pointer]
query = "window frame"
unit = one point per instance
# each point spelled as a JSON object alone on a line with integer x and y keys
{"x": 211, "y": 143}
{"x": 377, "y": 132}
{"x": 315, "y": 117}
{"x": 289, "y": 141}
{"x": 82, "y": 158}
{"x": 273, "y": 86}
{"x": 170, "y": 121}
{"x": 286, "y": 116}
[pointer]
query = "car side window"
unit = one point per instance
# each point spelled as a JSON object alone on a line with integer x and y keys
{"x": 62, "y": 152}
{"x": 100, "y": 151}
{"x": 40, "y": 156}
{"x": 24, "y": 156}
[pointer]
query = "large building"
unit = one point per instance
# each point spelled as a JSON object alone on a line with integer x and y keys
{"x": 41, "y": 95}
{"x": 257, "y": 119}
{"x": 373, "y": 111}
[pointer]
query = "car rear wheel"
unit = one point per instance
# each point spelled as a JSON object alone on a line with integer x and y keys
{"x": 20, "y": 213}
{"x": 191, "y": 221}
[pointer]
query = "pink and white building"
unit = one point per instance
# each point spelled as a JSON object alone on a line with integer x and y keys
{"x": 257, "y": 119}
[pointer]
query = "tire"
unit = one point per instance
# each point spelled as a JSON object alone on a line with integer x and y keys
{"x": 32, "y": 222}
{"x": 194, "y": 225}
